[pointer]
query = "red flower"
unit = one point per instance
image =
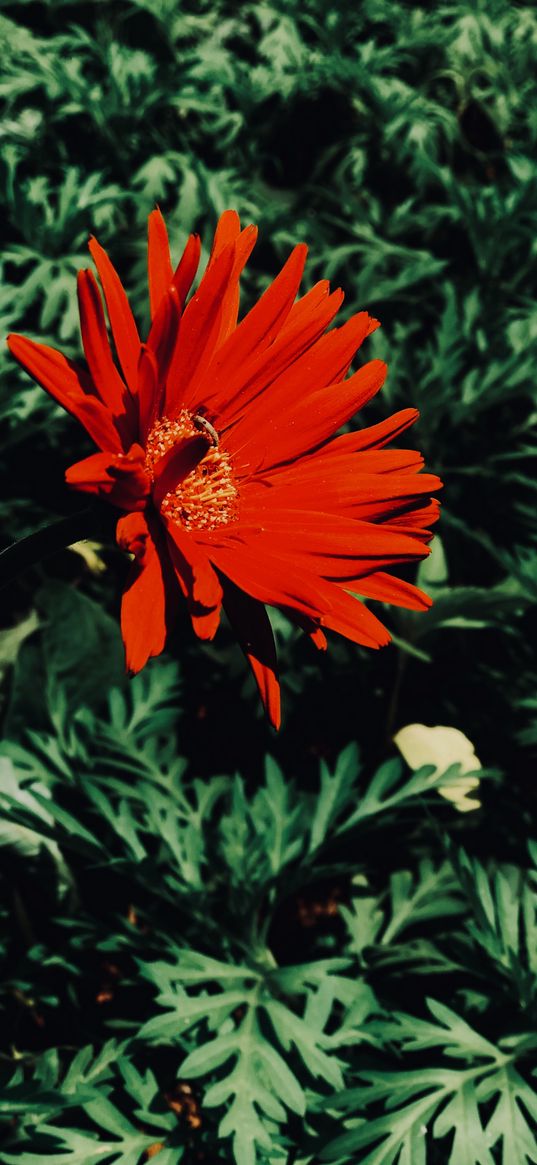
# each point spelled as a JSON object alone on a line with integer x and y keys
{"x": 218, "y": 441}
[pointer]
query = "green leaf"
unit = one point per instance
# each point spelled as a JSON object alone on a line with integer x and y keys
{"x": 461, "y": 1117}
{"x": 428, "y": 894}
{"x": 451, "y": 1104}
{"x": 112, "y": 1136}
{"x": 514, "y": 1117}
{"x": 258, "y": 1035}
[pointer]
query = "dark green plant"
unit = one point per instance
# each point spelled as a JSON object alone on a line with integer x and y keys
{"x": 218, "y": 945}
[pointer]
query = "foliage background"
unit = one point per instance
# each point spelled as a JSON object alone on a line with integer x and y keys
{"x": 399, "y": 141}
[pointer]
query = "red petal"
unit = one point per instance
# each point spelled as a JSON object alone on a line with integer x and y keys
{"x": 266, "y": 576}
{"x": 185, "y": 271}
{"x": 375, "y": 436}
{"x": 249, "y": 380}
{"x": 422, "y": 517}
{"x": 363, "y": 442}
{"x": 119, "y": 478}
{"x": 396, "y": 514}
{"x": 161, "y": 276}
{"x": 415, "y": 522}
{"x": 389, "y": 589}
{"x": 230, "y": 301}
{"x": 252, "y": 627}
{"x": 159, "y": 264}
{"x": 318, "y": 637}
{"x": 349, "y": 617}
{"x": 311, "y": 628}
{"x": 228, "y": 232}
{"x": 256, "y": 331}
{"x": 304, "y": 307}
{"x": 333, "y": 459}
{"x": 276, "y": 580}
{"x": 199, "y": 331}
{"x": 339, "y": 491}
{"x": 228, "y": 229}
{"x": 149, "y": 390}
{"x": 266, "y": 318}
{"x": 97, "y": 351}
{"x": 70, "y": 386}
{"x": 164, "y": 331}
{"x": 197, "y": 580}
{"x": 387, "y": 461}
{"x": 122, "y": 321}
{"x": 91, "y": 474}
{"x": 327, "y": 545}
{"x": 143, "y": 607}
{"x": 297, "y": 414}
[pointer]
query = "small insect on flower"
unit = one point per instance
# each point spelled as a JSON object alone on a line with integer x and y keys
{"x": 205, "y": 426}
{"x": 218, "y": 443}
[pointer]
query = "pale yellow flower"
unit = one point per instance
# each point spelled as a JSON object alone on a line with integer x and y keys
{"x": 443, "y": 747}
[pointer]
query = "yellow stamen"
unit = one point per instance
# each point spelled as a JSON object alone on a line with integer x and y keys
{"x": 208, "y": 495}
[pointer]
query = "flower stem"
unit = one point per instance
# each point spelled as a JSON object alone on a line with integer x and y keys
{"x": 48, "y": 540}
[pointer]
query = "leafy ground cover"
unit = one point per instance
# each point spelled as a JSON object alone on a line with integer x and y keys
{"x": 219, "y": 944}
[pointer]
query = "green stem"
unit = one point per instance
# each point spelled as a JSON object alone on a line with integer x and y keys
{"x": 391, "y": 717}
{"x": 42, "y": 543}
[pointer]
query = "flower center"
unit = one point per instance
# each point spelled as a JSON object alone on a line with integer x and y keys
{"x": 208, "y": 495}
